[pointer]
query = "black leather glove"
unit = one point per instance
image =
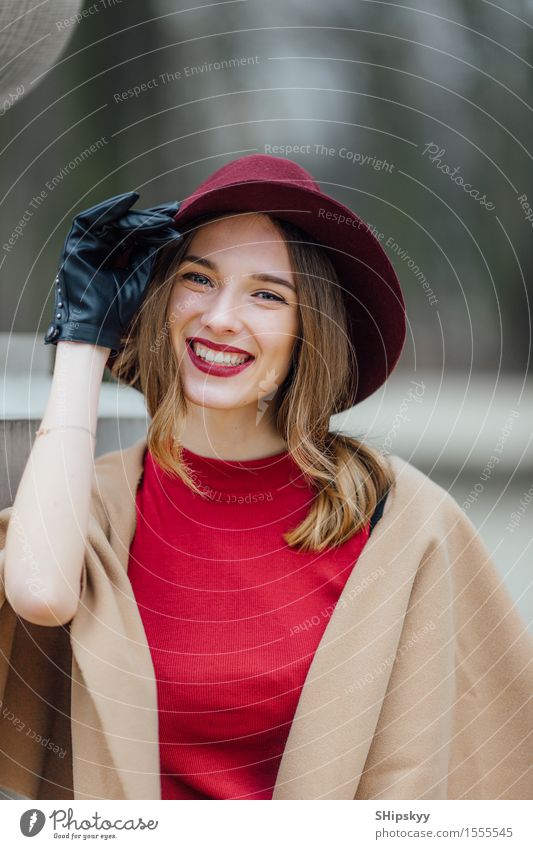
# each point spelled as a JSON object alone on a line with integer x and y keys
{"x": 104, "y": 269}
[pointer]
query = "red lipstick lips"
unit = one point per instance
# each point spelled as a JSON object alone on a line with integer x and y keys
{"x": 217, "y": 369}
{"x": 215, "y": 346}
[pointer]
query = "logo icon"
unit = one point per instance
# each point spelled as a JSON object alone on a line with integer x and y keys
{"x": 31, "y": 822}
{"x": 269, "y": 385}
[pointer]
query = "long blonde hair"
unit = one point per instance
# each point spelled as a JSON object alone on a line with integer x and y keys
{"x": 349, "y": 476}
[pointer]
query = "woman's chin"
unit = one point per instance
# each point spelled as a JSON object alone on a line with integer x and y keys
{"x": 217, "y": 397}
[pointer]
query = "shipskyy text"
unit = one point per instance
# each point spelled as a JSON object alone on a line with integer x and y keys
{"x": 410, "y": 815}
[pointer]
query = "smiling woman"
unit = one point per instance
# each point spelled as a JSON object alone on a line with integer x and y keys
{"x": 229, "y": 307}
{"x": 261, "y": 287}
{"x": 264, "y": 608}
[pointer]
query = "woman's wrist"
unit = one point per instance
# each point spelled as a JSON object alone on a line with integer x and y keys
{"x": 76, "y": 381}
{"x": 82, "y": 349}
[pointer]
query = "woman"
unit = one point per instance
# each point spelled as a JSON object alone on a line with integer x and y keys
{"x": 219, "y": 613}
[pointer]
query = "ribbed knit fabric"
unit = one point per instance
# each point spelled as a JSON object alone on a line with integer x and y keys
{"x": 232, "y": 615}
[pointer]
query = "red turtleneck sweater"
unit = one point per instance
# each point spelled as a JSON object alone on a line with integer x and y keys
{"x": 232, "y": 616}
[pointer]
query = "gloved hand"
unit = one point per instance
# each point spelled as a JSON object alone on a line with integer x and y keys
{"x": 104, "y": 269}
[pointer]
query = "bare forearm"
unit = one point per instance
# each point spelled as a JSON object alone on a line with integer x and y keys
{"x": 47, "y": 531}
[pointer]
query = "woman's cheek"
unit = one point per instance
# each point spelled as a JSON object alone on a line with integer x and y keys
{"x": 181, "y": 305}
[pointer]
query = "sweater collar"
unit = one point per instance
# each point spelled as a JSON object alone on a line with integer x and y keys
{"x": 217, "y": 475}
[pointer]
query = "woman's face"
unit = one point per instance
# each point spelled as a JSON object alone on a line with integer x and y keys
{"x": 233, "y": 313}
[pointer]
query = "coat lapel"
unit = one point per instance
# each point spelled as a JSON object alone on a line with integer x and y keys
{"x": 114, "y": 688}
{"x": 340, "y": 703}
{"x": 114, "y": 693}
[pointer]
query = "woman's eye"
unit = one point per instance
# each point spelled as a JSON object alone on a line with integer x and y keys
{"x": 274, "y": 297}
{"x": 194, "y": 274}
{"x": 202, "y": 280}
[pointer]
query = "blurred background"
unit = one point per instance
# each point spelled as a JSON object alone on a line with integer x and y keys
{"x": 419, "y": 117}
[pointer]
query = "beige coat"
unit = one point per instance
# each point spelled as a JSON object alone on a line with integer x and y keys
{"x": 421, "y": 687}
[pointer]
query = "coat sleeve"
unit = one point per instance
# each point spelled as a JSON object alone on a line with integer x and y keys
{"x": 98, "y": 529}
{"x": 36, "y": 682}
{"x": 35, "y": 667}
{"x": 457, "y": 718}
{"x": 5, "y": 518}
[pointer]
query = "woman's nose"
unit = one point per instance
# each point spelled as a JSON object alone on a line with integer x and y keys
{"x": 223, "y": 311}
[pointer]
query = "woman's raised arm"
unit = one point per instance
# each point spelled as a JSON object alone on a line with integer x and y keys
{"x": 103, "y": 274}
{"x": 47, "y": 531}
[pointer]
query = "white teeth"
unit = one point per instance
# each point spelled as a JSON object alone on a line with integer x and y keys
{"x": 210, "y": 356}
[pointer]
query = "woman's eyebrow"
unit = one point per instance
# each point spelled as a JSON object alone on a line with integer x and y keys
{"x": 263, "y": 277}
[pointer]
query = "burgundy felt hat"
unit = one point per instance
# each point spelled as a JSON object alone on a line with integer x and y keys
{"x": 371, "y": 289}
